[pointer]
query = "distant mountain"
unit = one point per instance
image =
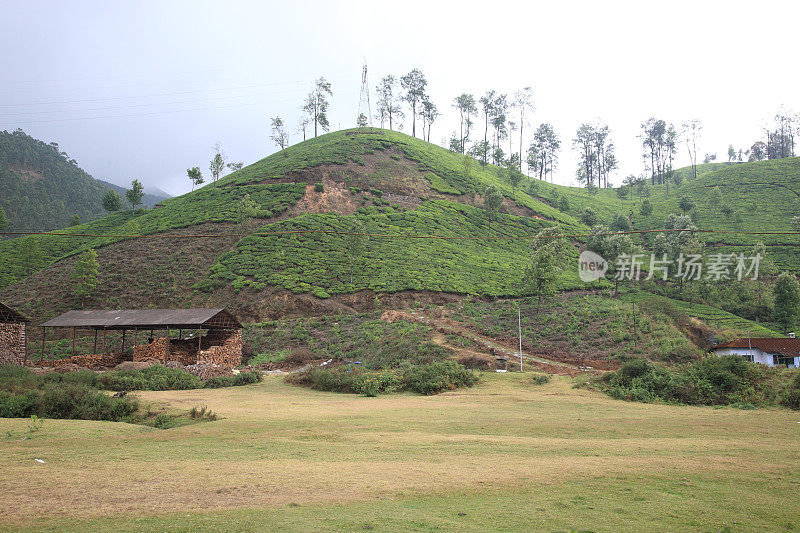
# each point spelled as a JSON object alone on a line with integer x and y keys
{"x": 42, "y": 188}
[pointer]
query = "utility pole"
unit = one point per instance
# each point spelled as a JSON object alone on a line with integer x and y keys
{"x": 519, "y": 329}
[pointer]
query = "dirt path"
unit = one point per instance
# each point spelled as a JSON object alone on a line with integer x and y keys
{"x": 449, "y": 326}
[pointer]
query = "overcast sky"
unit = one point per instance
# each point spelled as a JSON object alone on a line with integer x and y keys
{"x": 144, "y": 89}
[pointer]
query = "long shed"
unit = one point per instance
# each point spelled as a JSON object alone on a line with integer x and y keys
{"x": 215, "y": 335}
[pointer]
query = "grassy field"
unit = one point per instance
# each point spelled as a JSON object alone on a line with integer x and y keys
{"x": 506, "y": 454}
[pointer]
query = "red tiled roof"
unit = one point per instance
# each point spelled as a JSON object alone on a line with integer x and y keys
{"x": 785, "y": 347}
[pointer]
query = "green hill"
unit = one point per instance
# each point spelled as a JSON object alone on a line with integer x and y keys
{"x": 41, "y": 188}
{"x": 265, "y": 240}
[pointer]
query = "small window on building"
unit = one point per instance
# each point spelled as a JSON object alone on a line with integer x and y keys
{"x": 781, "y": 360}
{"x": 749, "y": 357}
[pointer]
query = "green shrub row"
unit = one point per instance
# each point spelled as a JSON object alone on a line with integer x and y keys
{"x": 426, "y": 379}
{"x": 17, "y": 379}
{"x": 712, "y": 381}
{"x": 65, "y": 400}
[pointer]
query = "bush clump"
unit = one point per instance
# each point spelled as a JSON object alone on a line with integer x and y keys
{"x": 438, "y": 377}
{"x": 791, "y": 395}
{"x": 23, "y": 397}
{"x": 540, "y": 379}
{"x": 711, "y": 381}
{"x": 156, "y": 377}
{"x": 423, "y": 379}
{"x": 242, "y": 378}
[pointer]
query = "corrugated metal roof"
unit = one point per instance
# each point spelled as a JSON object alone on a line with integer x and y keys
{"x": 783, "y": 346}
{"x": 9, "y": 315}
{"x": 141, "y": 318}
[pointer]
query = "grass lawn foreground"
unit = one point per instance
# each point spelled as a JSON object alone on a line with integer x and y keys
{"x": 505, "y": 454}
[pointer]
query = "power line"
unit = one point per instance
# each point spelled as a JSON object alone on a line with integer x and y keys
{"x": 129, "y": 105}
{"x": 145, "y": 114}
{"x": 152, "y": 95}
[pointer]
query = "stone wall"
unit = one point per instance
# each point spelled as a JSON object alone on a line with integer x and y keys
{"x": 225, "y": 351}
{"x": 12, "y": 343}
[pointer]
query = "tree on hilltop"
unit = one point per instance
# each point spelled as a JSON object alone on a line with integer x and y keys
{"x": 543, "y": 151}
{"x": 217, "y": 164}
{"x": 316, "y": 104}
{"x": 465, "y": 104}
{"x": 135, "y": 194}
{"x": 523, "y": 101}
{"x": 414, "y": 83}
{"x": 279, "y": 135}
{"x": 388, "y": 107}
{"x": 195, "y": 175}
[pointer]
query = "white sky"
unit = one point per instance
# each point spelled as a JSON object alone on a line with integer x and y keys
{"x": 163, "y": 81}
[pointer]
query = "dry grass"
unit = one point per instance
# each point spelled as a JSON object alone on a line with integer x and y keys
{"x": 346, "y": 457}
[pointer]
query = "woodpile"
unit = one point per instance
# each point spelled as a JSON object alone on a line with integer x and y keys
{"x": 12, "y": 343}
{"x": 91, "y": 361}
{"x": 228, "y": 353}
{"x": 158, "y": 350}
{"x": 220, "y": 348}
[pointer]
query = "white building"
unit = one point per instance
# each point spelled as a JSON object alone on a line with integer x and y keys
{"x": 767, "y": 351}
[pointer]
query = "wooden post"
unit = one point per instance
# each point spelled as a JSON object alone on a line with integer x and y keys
{"x": 123, "y": 341}
{"x": 44, "y": 334}
{"x": 95, "y": 342}
{"x": 166, "y": 355}
{"x": 104, "y": 339}
{"x": 199, "y": 340}
{"x": 73, "y": 340}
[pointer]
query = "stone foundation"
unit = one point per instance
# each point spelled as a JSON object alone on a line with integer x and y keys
{"x": 12, "y": 343}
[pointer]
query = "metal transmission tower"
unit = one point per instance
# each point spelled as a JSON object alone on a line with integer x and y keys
{"x": 364, "y": 107}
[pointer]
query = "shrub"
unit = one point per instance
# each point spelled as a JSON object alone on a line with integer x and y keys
{"x": 71, "y": 401}
{"x": 791, "y": 394}
{"x": 242, "y": 378}
{"x": 164, "y": 421}
{"x": 437, "y": 377}
{"x": 589, "y": 217}
{"x": 711, "y": 381}
{"x": 319, "y": 187}
{"x": 424, "y": 379}
{"x": 540, "y": 379}
{"x": 156, "y": 377}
